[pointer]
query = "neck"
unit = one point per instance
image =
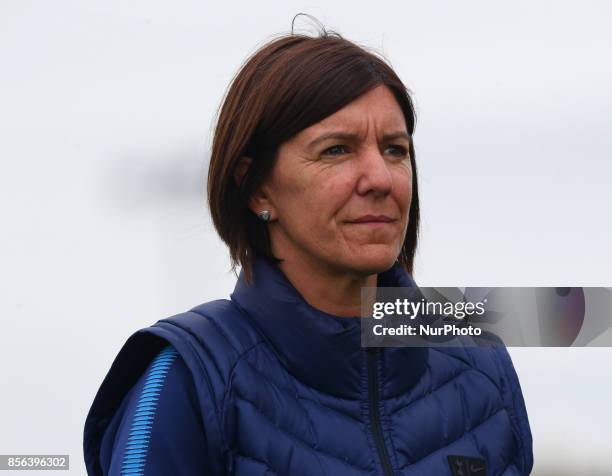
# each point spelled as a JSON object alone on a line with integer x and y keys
{"x": 320, "y": 349}
{"x": 333, "y": 291}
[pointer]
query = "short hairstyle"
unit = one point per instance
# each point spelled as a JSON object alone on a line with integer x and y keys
{"x": 287, "y": 85}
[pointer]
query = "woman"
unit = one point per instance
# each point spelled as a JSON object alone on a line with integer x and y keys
{"x": 312, "y": 184}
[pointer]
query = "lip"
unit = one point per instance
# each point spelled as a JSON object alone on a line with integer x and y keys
{"x": 373, "y": 219}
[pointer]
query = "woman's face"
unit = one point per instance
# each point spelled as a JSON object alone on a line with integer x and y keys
{"x": 340, "y": 190}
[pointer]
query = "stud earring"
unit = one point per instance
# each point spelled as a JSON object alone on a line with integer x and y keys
{"x": 264, "y": 215}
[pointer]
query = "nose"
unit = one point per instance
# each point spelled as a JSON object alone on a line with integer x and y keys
{"x": 374, "y": 174}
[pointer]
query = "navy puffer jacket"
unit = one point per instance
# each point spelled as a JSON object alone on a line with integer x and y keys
{"x": 286, "y": 389}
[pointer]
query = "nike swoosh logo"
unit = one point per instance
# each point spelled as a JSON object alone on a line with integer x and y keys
{"x": 476, "y": 469}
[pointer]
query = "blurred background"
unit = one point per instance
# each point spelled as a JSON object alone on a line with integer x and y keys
{"x": 106, "y": 116}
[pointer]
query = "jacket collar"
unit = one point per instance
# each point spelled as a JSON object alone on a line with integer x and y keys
{"x": 322, "y": 350}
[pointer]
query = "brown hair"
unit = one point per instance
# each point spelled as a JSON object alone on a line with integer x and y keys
{"x": 289, "y": 84}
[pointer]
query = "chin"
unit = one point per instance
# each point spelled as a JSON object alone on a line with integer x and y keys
{"x": 375, "y": 260}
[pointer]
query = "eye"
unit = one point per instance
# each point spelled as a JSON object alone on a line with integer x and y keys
{"x": 399, "y": 151}
{"x": 334, "y": 150}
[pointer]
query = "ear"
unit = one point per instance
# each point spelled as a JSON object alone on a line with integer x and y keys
{"x": 258, "y": 201}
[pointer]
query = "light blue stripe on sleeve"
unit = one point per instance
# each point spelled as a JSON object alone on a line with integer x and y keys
{"x": 135, "y": 455}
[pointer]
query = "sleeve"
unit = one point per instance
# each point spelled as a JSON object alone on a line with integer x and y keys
{"x": 158, "y": 428}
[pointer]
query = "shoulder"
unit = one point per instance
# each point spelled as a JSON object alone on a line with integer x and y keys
{"x": 210, "y": 337}
{"x": 487, "y": 356}
{"x": 219, "y": 325}
{"x": 206, "y": 343}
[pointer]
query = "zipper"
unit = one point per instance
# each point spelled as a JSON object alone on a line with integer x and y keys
{"x": 373, "y": 399}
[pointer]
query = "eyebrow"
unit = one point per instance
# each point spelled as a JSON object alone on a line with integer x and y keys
{"x": 351, "y": 136}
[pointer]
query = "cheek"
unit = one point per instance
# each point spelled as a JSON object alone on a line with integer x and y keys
{"x": 302, "y": 209}
{"x": 332, "y": 196}
{"x": 402, "y": 189}
{"x": 319, "y": 195}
